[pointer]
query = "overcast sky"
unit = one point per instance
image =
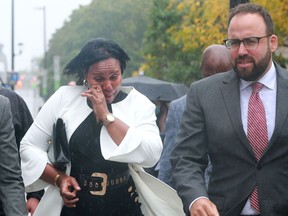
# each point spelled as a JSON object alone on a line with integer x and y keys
{"x": 28, "y": 26}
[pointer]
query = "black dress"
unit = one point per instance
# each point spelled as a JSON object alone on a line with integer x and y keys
{"x": 92, "y": 172}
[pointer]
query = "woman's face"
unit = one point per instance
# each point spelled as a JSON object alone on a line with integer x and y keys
{"x": 107, "y": 74}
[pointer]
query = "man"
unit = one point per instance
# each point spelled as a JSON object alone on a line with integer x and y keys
{"x": 215, "y": 59}
{"x": 249, "y": 175}
{"x": 11, "y": 184}
{"x": 22, "y": 119}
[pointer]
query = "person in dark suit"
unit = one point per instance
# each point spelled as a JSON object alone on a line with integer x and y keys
{"x": 215, "y": 59}
{"x": 217, "y": 123}
{"x": 22, "y": 120}
{"x": 12, "y": 191}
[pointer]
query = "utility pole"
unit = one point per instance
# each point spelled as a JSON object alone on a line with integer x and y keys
{"x": 12, "y": 76}
{"x": 44, "y": 36}
{"x": 45, "y": 72}
{"x": 45, "y": 75}
{"x": 233, "y": 3}
{"x": 12, "y": 37}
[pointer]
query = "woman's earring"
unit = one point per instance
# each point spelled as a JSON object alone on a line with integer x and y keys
{"x": 85, "y": 83}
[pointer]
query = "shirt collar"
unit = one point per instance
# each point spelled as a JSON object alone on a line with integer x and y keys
{"x": 268, "y": 80}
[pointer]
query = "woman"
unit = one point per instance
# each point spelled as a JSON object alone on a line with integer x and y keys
{"x": 107, "y": 126}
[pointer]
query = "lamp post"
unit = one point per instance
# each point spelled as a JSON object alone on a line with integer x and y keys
{"x": 45, "y": 75}
{"x": 44, "y": 32}
{"x": 12, "y": 36}
{"x": 14, "y": 76}
{"x": 20, "y": 45}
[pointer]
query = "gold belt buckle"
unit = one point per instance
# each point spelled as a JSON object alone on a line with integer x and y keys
{"x": 103, "y": 184}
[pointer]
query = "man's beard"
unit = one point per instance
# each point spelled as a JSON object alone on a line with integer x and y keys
{"x": 257, "y": 70}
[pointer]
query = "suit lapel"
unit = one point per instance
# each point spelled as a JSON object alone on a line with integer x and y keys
{"x": 281, "y": 103}
{"x": 231, "y": 96}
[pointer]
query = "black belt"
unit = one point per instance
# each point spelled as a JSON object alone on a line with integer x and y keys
{"x": 97, "y": 183}
{"x": 250, "y": 215}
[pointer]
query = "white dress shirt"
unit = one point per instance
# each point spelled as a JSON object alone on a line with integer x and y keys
{"x": 268, "y": 97}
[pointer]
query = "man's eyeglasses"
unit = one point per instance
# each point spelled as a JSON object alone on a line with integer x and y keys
{"x": 250, "y": 43}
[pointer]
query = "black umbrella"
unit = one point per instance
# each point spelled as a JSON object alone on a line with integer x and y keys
{"x": 156, "y": 89}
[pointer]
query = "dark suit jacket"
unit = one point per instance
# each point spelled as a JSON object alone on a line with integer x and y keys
{"x": 212, "y": 124}
{"x": 22, "y": 118}
{"x": 11, "y": 184}
{"x": 173, "y": 120}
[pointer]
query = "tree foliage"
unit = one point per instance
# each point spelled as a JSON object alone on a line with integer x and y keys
{"x": 278, "y": 10}
{"x": 160, "y": 48}
{"x": 123, "y": 21}
{"x": 279, "y": 13}
{"x": 179, "y": 31}
{"x": 165, "y": 37}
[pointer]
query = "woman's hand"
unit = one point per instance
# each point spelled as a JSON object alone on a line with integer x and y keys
{"x": 68, "y": 190}
{"x": 97, "y": 98}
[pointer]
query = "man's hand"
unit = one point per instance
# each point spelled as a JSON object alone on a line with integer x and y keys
{"x": 31, "y": 205}
{"x": 203, "y": 207}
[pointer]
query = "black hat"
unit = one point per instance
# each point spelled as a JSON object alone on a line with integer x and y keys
{"x": 95, "y": 50}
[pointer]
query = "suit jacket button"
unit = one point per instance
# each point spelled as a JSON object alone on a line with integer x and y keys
{"x": 259, "y": 167}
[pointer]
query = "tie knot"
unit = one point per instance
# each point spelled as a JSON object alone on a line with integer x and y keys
{"x": 256, "y": 87}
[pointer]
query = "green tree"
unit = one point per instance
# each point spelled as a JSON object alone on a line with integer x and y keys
{"x": 278, "y": 10}
{"x": 279, "y": 14}
{"x": 160, "y": 50}
{"x": 124, "y": 21}
{"x": 179, "y": 31}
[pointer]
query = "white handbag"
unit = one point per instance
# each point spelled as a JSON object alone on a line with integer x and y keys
{"x": 156, "y": 197}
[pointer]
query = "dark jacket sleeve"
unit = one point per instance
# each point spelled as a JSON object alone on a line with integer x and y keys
{"x": 22, "y": 120}
{"x": 11, "y": 183}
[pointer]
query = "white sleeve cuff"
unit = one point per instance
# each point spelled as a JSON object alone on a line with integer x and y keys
{"x": 196, "y": 200}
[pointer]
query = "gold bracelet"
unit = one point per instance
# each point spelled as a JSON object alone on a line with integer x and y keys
{"x": 55, "y": 180}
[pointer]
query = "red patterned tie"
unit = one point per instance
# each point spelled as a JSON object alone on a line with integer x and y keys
{"x": 256, "y": 132}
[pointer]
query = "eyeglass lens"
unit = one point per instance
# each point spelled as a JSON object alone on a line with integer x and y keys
{"x": 249, "y": 43}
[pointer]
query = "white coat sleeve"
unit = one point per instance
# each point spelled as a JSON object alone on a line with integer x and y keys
{"x": 142, "y": 144}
